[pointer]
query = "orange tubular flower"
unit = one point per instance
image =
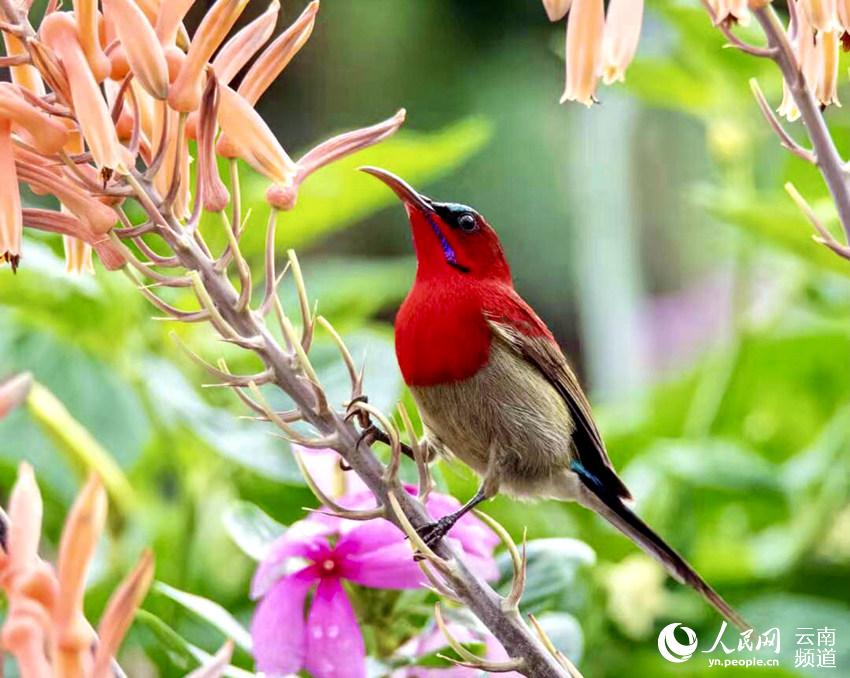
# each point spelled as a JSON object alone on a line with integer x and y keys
{"x": 213, "y": 194}
{"x": 620, "y": 38}
{"x": 80, "y": 535}
{"x": 88, "y": 33}
{"x": 557, "y": 9}
{"x": 826, "y": 88}
{"x": 144, "y": 52}
{"x": 98, "y": 217}
{"x": 10, "y": 200}
{"x": 277, "y": 56}
{"x": 170, "y": 18}
{"x": 185, "y": 94}
{"x": 59, "y": 33}
{"x": 65, "y": 224}
{"x": 284, "y": 197}
{"x": 241, "y": 48}
{"x": 118, "y": 616}
{"x": 24, "y": 75}
{"x": 47, "y": 134}
{"x": 252, "y": 139}
{"x": 584, "y": 48}
{"x": 822, "y": 14}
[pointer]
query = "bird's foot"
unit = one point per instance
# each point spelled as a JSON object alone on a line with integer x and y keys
{"x": 432, "y": 533}
{"x": 370, "y": 433}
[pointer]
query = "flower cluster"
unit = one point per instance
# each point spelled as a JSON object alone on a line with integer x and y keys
{"x": 600, "y": 43}
{"x": 45, "y": 628}
{"x": 107, "y": 97}
{"x": 317, "y": 555}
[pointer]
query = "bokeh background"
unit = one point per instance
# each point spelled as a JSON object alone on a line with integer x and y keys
{"x": 651, "y": 233}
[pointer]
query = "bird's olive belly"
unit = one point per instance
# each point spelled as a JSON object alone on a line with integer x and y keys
{"x": 507, "y": 409}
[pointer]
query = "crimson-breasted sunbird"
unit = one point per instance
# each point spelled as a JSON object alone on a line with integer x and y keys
{"x": 494, "y": 388}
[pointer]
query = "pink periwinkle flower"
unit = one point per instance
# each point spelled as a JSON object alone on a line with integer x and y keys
{"x": 319, "y": 553}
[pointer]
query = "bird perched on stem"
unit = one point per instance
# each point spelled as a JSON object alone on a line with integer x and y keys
{"x": 494, "y": 388}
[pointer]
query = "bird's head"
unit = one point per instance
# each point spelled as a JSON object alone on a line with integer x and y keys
{"x": 450, "y": 239}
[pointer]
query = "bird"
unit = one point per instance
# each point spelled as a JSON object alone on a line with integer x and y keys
{"x": 495, "y": 390}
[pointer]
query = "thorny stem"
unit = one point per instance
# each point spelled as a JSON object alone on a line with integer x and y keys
{"x": 287, "y": 371}
{"x": 826, "y": 156}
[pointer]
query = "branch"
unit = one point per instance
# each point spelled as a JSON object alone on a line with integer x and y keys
{"x": 827, "y": 159}
{"x": 289, "y": 370}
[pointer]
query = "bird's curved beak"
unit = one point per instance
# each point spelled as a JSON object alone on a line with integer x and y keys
{"x": 401, "y": 188}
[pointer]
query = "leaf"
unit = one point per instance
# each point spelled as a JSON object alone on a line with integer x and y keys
{"x": 553, "y": 575}
{"x": 175, "y": 646}
{"x": 775, "y": 221}
{"x": 251, "y": 529}
{"x": 209, "y": 611}
{"x": 80, "y": 445}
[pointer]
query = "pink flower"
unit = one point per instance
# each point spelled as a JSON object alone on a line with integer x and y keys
{"x": 321, "y": 552}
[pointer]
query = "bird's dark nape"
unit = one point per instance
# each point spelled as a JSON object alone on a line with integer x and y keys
{"x": 612, "y": 508}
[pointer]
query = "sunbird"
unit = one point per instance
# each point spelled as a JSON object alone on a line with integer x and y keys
{"x": 494, "y": 388}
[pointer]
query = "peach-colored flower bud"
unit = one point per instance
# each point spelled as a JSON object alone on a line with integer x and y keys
{"x": 335, "y": 148}
{"x": 170, "y": 18}
{"x": 88, "y": 34}
{"x": 23, "y": 75}
{"x": 584, "y": 49}
{"x": 252, "y": 138}
{"x": 175, "y": 58}
{"x": 822, "y": 14}
{"x": 730, "y": 11}
{"x": 119, "y": 612}
{"x": 25, "y": 511}
{"x": 47, "y": 134}
{"x": 826, "y": 89}
{"x": 10, "y": 200}
{"x": 78, "y": 256}
{"x": 120, "y": 64}
{"x": 65, "y": 224}
{"x": 212, "y": 191}
{"x": 557, "y": 9}
{"x": 277, "y": 55}
{"x": 80, "y": 536}
{"x": 843, "y": 12}
{"x": 808, "y": 55}
{"x": 98, "y": 217}
{"x": 242, "y": 47}
{"x": 59, "y": 33}
{"x": 620, "y": 38}
{"x": 140, "y": 43}
{"x": 185, "y": 94}
{"x": 13, "y": 392}
{"x": 50, "y": 69}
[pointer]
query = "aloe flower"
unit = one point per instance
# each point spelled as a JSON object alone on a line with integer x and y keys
{"x": 320, "y": 553}
{"x": 584, "y": 50}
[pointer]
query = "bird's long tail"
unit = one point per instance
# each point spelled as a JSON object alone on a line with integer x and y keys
{"x": 612, "y": 508}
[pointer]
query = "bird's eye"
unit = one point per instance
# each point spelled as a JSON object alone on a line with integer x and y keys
{"x": 467, "y": 222}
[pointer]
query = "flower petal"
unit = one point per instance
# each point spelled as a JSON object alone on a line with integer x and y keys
{"x": 376, "y": 554}
{"x": 305, "y": 539}
{"x": 335, "y": 647}
{"x": 277, "y": 628}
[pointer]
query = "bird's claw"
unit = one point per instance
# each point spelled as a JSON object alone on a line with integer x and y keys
{"x": 432, "y": 533}
{"x": 363, "y": 418}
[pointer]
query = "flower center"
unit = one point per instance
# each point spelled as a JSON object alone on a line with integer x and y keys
{"x": 328, "y": 566}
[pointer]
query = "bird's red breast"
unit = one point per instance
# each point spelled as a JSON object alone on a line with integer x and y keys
{"x": 442, "y": 332}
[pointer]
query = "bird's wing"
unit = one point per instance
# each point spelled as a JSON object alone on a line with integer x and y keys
{"x": 514, "y": 321}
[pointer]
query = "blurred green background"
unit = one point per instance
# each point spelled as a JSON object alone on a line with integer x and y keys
{"x": 652, "y": 234}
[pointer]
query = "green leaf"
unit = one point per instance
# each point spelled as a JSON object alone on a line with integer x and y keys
{"x": 251, "y": 529}
{"x": 176, "y": 648}
{"x": 775, "y": 221}
{"x": 209, "y": 611}
{"x": 553, "y": 578}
